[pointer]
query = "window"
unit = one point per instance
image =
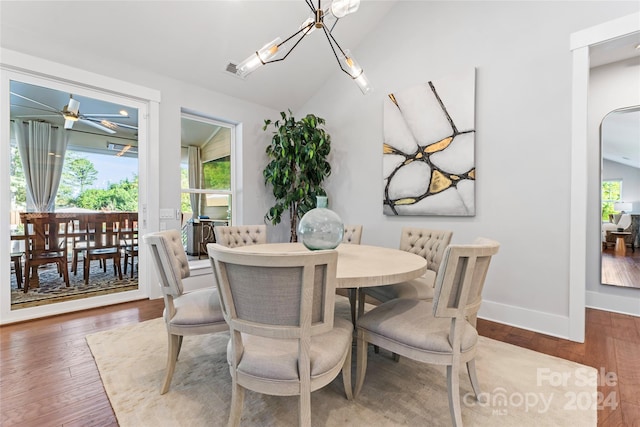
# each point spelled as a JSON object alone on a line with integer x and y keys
{"x": 206, "y": 168}
{"x": 611, "y": 193}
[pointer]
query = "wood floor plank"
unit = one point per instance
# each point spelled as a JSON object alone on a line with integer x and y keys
{"x": 65, "y": 389}
{"x": 630, "y": 414}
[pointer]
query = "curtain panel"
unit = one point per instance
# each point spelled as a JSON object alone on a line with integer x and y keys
{"x": 195, "y": 178}
{"x": 42, "y": 150}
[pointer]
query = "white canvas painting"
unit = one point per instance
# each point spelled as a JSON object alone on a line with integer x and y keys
{"x": 428, "y": 152}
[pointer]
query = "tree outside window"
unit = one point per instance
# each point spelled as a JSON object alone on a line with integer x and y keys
{"x": 611, "y": 193}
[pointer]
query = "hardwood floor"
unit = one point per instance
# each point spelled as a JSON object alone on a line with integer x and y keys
{"x": 48, "y": 376}
{"x": 621, "y": 270}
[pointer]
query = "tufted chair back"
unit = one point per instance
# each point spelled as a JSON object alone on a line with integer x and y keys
{"x": 429, "y": 244}
{"x": 352, "y": 234}
{"x": 170, "y": 260}
{"x": 241, "y": 235}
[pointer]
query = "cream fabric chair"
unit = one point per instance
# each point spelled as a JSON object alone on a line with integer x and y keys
{"x": 437, "y": 331}
{"x": 240, "y": 235}
{"x": 193, "y": 313}
{"x": 352, "y": 234}
{"x": 429, "y": 244}
{"x": 284, "y": 338}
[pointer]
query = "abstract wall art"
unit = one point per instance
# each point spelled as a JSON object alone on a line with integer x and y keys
{"x": 428, "y": 160}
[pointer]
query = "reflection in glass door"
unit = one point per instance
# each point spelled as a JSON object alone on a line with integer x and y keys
{"x": 72, "y": 157}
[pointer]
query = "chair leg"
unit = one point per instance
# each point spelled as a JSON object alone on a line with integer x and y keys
{"x": 352, "y": 303}
{"x": 453, "y": 387}
{"x": 74, "y": 263}
{"x": 304, "y": 409}
{"x": 172, "y": 357}
{"x": 126, "y": 261}
{"x": 133, "y": 258}
{"x": 346, "y": 375}
{"x": 237, "y": 399}
{"x": 361, "y": 364}
{"x": 65, "y": 272}
{"x": 361, "y": 302}
{"x": 473, "y": 377}
{"x": 85, "y": 268}
{"x": 17, "y": 266}
{"x": 179, "y": 346}
{"x": 27, "y": 276}
{"x": 116, "y": 262}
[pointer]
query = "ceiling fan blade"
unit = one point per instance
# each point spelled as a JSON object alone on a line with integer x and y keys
{"x": 37, "y": 116}
{"x": 97, "y": 126}
{"x": 105, "y": 115}
{"x": 49, "y": 107}
{"x": 121, "y": 125}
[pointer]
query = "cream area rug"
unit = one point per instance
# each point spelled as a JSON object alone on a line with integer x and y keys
{"x": 520, "y": 387}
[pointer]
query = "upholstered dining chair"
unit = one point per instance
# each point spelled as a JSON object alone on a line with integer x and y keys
{"x": 439, "y": 331}
{"x": 352, "y": 234}
{"x": 284, "y": 338}
{"x": 192, "y": 313}
{"x": 232, "y": 236}
{"x": 429, "y": 244}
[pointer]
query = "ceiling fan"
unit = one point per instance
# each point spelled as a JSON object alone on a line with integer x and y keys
{"x": 71, "y": 114}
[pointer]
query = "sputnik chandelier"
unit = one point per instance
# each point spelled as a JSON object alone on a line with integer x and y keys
{"x": 320, "y": 19}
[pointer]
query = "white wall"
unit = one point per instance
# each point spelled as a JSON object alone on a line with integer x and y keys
{"x": 523, "y": 114}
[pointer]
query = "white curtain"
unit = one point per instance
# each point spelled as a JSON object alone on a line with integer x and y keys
{"x": 42, "y": 148}
{"x": 195, "y": 178}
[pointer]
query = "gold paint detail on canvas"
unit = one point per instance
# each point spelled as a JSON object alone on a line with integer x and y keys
{"x": 439, "y": 182}
{"x": 407, "y": 201}
{"x": 438, "y": 146}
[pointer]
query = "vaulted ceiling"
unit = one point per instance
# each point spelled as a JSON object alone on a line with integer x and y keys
{"x": 192, "y": 41}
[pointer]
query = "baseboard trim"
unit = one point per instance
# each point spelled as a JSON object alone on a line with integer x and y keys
{"x": 614, "y": 303}
{"x": 536, "y": 321}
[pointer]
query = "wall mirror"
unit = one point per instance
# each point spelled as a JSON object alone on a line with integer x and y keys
{"x": 620, "y": 197}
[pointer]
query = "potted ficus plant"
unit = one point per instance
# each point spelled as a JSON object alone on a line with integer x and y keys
{"x": 298, "y": 165}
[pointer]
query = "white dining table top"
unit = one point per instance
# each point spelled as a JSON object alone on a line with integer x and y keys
{"x": 360, "y": 265}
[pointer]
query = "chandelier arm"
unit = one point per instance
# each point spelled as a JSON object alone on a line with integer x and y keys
{"x": 291, "y": 49}
{"x": 329, "y": 39}
{"x": 334, "y": 24}
{"x": 295, "y": 34}
{"x": 310, "y": 4}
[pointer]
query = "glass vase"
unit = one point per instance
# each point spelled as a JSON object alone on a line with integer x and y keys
{"x": 321, "y": 228}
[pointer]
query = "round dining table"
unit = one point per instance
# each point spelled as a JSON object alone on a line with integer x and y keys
{"x": 360, "y": 266}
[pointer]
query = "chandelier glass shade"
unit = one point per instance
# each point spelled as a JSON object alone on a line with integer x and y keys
{"x": 324, "y": 17}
